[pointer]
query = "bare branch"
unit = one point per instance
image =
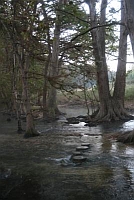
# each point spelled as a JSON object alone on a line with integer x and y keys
{"x": 99, "y": 26}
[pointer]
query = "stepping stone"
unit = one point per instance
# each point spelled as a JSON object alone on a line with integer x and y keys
{"x": 82, "y": 148}
{"x": 77, "y": 153}
{"x": 85, "y": 144}
{"x": 79, "y": 159}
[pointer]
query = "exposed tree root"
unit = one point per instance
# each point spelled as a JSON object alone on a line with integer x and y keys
{"x": 31, "y": 133}
{"x": 20, "y": 131}
{"x": 112, "y": 111}
{"x": 127, "y": 137}
{"x": 52, "y": 114}
{"x": 30, "y": 128}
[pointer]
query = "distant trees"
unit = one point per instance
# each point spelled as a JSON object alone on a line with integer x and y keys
{"x": 130, "y": 76}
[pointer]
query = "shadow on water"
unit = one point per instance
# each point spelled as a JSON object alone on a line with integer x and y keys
{"x": 20, "y": 188}
{"x": 42, "y": 169}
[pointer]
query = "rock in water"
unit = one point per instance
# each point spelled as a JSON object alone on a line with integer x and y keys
{"x": 79, "y": 159}
{"x": 77, "y": 153}
{"x": 82, "y": 148}
{"x": 85, "y": 144}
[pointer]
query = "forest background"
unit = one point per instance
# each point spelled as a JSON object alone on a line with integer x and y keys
{"x": 51, "y": 49}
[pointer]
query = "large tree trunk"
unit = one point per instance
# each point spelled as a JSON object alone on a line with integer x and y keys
{"x": 129, "y": 9}
{"x": 128, "y": 137}
{"x": 111, "y": 107}
{"x": 47, "y": 63}
{"x": 52, "y": 97}
{"x": 16, "y": 97}
{"x": 45, "y": 86}
{"x": 102, "y": 73}
{"x": 119, "y": 89}
{"x": 98, "y": 40}
{"x": 30, "y": 127}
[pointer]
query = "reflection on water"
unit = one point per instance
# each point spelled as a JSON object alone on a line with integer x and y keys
{"x": 128, "y": 125}
{"x": 73, "y": 111}
{"x": 42, "y": 169}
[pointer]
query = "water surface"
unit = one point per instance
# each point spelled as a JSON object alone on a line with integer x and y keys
{"x": 41, "y": 169}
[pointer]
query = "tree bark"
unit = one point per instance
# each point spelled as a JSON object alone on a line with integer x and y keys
{"x": 111, "y": 107}
{"x": 128, "y": 137}
{"x": 119, "y": 89}
{"x": 30, "y": 127}
{"x": 16, "y": 96}
{"x": 129, "y": 14}
{"x": 52, "y": 94}
{"x": 98, "y": 40}
{"x": 47, "y": 63}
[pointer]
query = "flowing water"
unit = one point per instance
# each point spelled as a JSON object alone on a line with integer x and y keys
{"x": 42, "y": 169}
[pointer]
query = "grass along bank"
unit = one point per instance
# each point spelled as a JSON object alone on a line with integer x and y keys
{"x": 78, "y": 97}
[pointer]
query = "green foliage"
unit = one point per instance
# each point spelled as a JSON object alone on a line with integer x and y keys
{"x": 31, "y": 27}
{"x": 129, "y": 93}
{"x": 5, "y": 88}
{"x": 36, "y": 79}
{"x": 130, "y": 76}
{"x": 78, "y": 97}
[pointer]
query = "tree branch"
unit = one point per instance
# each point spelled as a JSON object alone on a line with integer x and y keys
{"x": 69, "y": 13}
{"x": 99, "y": 26}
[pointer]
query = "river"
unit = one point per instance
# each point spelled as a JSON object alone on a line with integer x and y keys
{"x": 42, "y": 169}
